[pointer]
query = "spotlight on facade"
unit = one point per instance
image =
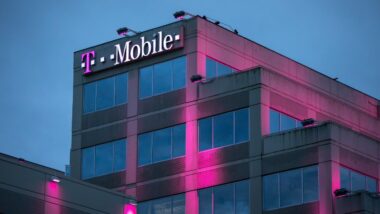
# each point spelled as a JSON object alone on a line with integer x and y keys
{"x": 55, "y": 179}
{"x": 236, "y": 32}
{"x": 181, "y": 14}
{"x": 217, "y": 22}
{"x": 341, "y": 192}
{"x": 124, "y": 31}
{"x": 307, "y": 122}
{"x": 196, "y": 77}
{"x": 132, "y": 202}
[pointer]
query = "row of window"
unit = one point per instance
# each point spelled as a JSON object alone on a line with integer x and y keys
{"x": 284, "y": 189}
{"x": 153, "y": 80}
{"x": 290, "y": 188}
{"x": 282, "y": 122}
{"x": 104, "y": 159}
{"x": 354, "y": 181}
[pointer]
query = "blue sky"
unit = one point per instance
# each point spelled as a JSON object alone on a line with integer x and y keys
{"x": 339, "y": 38}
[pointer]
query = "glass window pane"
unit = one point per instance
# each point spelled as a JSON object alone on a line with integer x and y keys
{"x": 205, "y": 201}
{"x": 271, "y": 192}
{"x": 345, "y": 180}
{"x": 210, "y": 68}
{"x": 223, "y": 69}
{"x": 103, "y": 159}
{"x": 242, "y": 197}
{"x": 274, "y": 121}
{"x": 162, "y": 206}
{"x": 179, "y": 139}
{"x": 287, "y": 122}
{"x": 223, "y": 129}
{"x": 88, "y": 163}
{"x": 145, "y": 149}
{"x": 119, "y": 157}
{"x": 89, "y": 97}
{"x": 162, "y": 145}
{"x": 121, "y": 89}
{"x": 179, "y": 204}
{"x": 310, "y": 184}
{"x": 179, "y": 73}
{"x": 241, "y": 125}
{"x": 205, "y": 133}
{"x": 162, "y": 78}
{"x": 145, "y": 82}
{"x": 357, "y": 181}
{"x": 144, "y": 207}
{"x": 290, "y": 188}
{"x": 105, "y": 93}
{"x": 371, "y": 185}
{"x": 224, "y": 199}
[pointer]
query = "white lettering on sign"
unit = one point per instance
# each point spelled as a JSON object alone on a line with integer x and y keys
{"x": 130, "y": 51}
{"x": 144, "y": 48}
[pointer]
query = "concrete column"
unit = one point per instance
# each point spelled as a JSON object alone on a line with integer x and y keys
{"x": 329, "y": 177}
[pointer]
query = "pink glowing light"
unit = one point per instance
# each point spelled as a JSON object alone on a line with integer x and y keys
{"x": 86, "y": 58}
{"x": 130, "y": 209}
{"x": 55, "y": 179}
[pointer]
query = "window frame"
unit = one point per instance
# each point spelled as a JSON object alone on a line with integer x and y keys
{"x": 151, "y": 145}
{"x": 212, "y": 117}
{"x": 152, "y": 77}
{"x": 302, "y": 188}
{"x": 233, "y": 69}
{"x": 124, "y": 140}
{"x": 96, "y": 82}
{"x": 281, "y": 113}
{"x": 350, "y": 171}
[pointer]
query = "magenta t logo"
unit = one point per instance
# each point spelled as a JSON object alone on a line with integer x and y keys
{"x": 86, "y": 58}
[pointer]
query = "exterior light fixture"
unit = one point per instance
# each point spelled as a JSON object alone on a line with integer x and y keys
{"x": 132, "y": 202}
{"x": 341, "y": 192}
{"x": 217, "y": 22}
{"x": 55, "y": 179}
{"x": 307, "y": 122}
{"x": 236, "y": 32}
{"x": 195, "y": 78}
{"x": 181, "y": 14}
{"x": 124, "y": 31}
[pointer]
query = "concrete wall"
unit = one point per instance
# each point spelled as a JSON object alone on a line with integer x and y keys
{"x": 27, "y": 188}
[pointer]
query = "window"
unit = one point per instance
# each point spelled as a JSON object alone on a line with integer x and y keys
{"x": 162, "y": 77}
{"x": 223, "y": 129}
{"x": 354, "y": 181}
{"x": 105, "y": 93}
{"x": 216, "y": 69}
{"x": 282, "y": 122}
{"x": 228, "y": 198}
{"x": 160, "y": 145}
{"x": 104, "y": 159}
{"x": 168, "y": 205}
{"x": 290, "y": 188}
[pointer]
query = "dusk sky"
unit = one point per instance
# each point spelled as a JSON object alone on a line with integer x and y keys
{"x": 339, "y": 38}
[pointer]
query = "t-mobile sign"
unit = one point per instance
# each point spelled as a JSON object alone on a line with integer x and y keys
{"x": 130, "y": 49}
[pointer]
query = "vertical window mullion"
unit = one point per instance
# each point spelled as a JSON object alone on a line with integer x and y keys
{"x": 114, "y": 90}
{"x": 152, "y": 81}
{"x": 212, "y": 200}
{"x": 113, "y": 157}
{"x": 96, "y": 95}
{"x": 278, "y": 190}
{"x": 151, "y": 147}
{"x": 302, "y": 188}
{"x": 233, "y": 128}
{"x": 171, "y": 143}
{"x": 212, "y": 132}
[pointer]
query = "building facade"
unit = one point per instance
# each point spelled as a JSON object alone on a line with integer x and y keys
{"x": 193, "y": 118}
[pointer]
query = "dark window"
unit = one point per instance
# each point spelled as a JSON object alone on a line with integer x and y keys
{"x": 290, "y": 188}
{"x": 104, "y": 159}
{"x": 105, "y": 93}
{"x": 162, "y": 77}
{"x": 354, "y": 181}
{"x": 228, "y": 198}
{"x": 168, "y": 205}
{"x": 160, "y": 145}
{"x": 282, "y": 122}
{"x": 223, "y": 129}
{"x": 216, "y": 69}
